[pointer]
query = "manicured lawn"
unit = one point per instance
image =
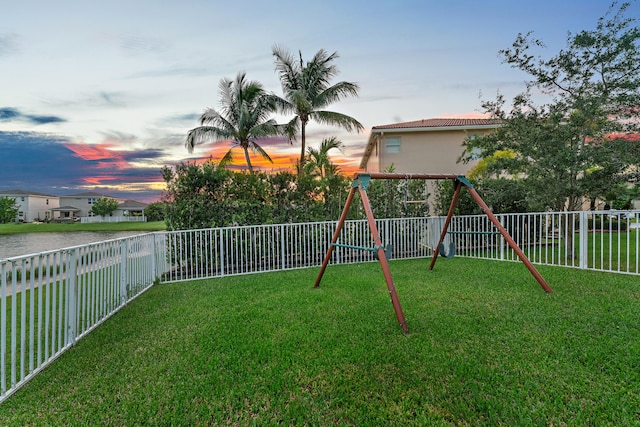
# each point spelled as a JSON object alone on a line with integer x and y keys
{"x": 487, "y": 347}
{"x": 14, "y": 228}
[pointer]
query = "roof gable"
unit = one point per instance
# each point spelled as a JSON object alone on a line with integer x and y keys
{"x": 88, "y": 194}
{"x": 24, "y": 193}
{"x": 440, "y": 123}
{"x": 132, "y": 204}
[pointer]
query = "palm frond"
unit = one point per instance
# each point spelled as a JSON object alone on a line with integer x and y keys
{"x": 203, "y": 133}
{"x": 292, "y": 128}
{"x": 328, "y": 144}
{"x": 348, "y": 123}
{"x": 255, "y": 148}
{"x": 227, "y": 158}
{"x": 287, "y": 68}
{"x": 336, "y": 93}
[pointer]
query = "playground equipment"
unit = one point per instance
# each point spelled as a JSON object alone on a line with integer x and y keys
{"x": 361, "y": 183}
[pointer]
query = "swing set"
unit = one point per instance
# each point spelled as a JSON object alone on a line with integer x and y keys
{"x": 361, "y": 182}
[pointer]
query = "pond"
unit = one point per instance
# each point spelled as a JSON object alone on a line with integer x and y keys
{"x": 29, "y": 243}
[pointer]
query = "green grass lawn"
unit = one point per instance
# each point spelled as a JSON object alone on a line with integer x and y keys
{"x": 14, "y": 228}
{"x": 487, "y": 347}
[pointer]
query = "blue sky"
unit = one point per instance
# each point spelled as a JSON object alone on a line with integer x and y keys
{"x": 100, "y": 95}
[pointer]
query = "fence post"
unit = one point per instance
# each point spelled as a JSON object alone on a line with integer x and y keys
{"x": 583, "y": 238}
{"x": 502, "y": 219}
{"x": 282, "y": 248}
{"x": 72, "y": 272}
{"x": 221, "y": 253}
{"x": 124, "y": 248}
{"x": 154, "y": 264}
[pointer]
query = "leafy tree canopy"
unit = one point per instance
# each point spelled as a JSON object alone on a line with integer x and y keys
{"x": 155, "y": 211}
{"x": 207, "y": 195}
{"x": 8, "y": 209}
{"x": 583, "y": 142}
{"x": 104, "y": 206}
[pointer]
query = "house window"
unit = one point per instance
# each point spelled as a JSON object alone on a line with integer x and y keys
{"x": 92, "y": 200}
{"x": 392, "y": 144}
{"x": 22, "y": 198}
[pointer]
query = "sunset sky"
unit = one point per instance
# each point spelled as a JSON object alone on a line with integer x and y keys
{"x": 98, "y": 96}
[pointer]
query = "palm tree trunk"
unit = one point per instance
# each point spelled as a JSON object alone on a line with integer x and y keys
{"x": 248, "y": 160}
{"x": 303, "y": 140}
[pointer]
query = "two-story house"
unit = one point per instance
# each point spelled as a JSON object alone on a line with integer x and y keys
{"x": 423, "y": 146}
{"x": 32, "y": 206}
{"x": 80, "y": 204}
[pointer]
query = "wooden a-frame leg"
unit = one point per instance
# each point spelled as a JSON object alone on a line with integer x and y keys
{"x": 454, "y": 202}
{"x": 382, "y": 257}
{"x": 512, "y": 243}
{"x": 336, "y": 234}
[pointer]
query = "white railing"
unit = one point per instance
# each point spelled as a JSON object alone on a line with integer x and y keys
{"x": 196, "y": 254}
{"x": 596, "y": 240}
{"x": 100, "y": 219}
{"x": 50, "y": 300}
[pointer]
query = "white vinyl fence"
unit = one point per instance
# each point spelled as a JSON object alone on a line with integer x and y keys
{"x": 100, "y": 219}
{"x": 605, "y": 241}
{"x": 219, "y": 252}
{"x": 50, "y": 300}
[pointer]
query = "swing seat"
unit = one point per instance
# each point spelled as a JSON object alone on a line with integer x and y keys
{"x": 387, "y": 252}
{"x": 452, "y": 250}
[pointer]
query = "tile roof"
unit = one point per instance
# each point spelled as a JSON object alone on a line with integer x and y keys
{"x": 66, "y": 208}
{"x": 88, "y": 194}
{"x": 440, "y": 122}
{"x": 132, "y": 204}
{"x": 25, "y": 193}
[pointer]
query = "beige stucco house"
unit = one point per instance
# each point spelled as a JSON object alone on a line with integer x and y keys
{"x": 423, "y": 146}
{"x": 81, "y": 203}
{"x": 32, "y": 206}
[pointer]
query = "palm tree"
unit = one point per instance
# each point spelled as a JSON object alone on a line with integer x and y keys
{"x": 243, "y": 119}
{"x": 318, "y": 162}
{"x": 307, "y": 90}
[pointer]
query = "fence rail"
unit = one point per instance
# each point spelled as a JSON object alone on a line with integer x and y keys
{"x": 100, "y": 219}
{"x": 50, "y": 300}
{"x": 597, "y": 240}
{"x": 219, "y": 252}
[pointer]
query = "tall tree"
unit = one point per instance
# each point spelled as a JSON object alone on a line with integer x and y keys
{"x": 319, "y": 163}
{"x": 8, "y": 209}
{"x": 576, "y": 145}
{"x": 243, "y": 119}
{"x": 307, "y": 90}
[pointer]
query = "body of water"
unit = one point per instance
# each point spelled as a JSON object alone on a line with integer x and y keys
{"x": 29, "y": 243}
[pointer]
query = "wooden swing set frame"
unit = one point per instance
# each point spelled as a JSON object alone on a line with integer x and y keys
{"x": 361, "y": 183}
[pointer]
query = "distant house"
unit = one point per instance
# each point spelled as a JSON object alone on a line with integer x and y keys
{"x": 65, "y": 213}
{"x": 81, "y": 203}
{"x": 32, "y": 206}
{"x": 423, "y": 146}
{"x": 130, "y": 208}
